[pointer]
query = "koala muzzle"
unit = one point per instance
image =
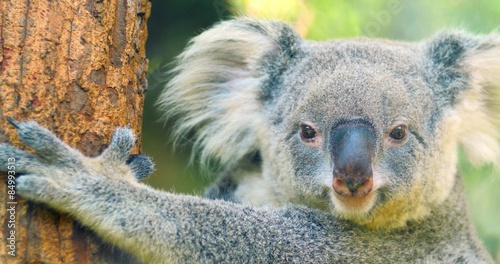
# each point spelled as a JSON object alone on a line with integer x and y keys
{"x": 353, "y": 149}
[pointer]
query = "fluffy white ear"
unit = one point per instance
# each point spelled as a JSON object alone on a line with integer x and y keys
{"x": 217, "y": 90}
{"x": 468, "y": 70}
{"x": 480, "y": 107}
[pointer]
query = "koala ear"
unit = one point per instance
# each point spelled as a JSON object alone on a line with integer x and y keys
{"x": 221, "y": 82}
{"x": 467, "y": 72}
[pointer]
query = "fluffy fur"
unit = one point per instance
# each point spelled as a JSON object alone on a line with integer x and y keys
{"x": 242, "y": 92}
{"x": 215, "y": 88}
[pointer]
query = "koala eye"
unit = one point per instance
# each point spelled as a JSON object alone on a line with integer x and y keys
{"x": 309, "y": 135}
{"x": 307, "y": 132}
{"x": 399, "y": 132}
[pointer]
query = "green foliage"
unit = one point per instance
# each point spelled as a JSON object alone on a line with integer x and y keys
{"x": 333, "y": 19}
{"x": 481, "y": 186}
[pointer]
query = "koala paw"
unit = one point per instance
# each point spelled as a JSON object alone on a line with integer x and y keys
{"x": 59, "y": 175}
{"x": 141, "y": 165}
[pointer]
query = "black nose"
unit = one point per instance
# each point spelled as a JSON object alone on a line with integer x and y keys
{"x": 353, "y": 149}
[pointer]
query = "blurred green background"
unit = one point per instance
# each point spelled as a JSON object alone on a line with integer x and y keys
{"x": 174, "y": 22}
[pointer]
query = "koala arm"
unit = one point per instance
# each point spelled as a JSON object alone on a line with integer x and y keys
{"x": 104, "y": 195}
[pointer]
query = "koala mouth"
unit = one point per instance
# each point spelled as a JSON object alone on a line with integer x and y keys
{"x": 355, "y": 204}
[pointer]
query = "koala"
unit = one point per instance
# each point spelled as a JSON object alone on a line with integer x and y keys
{"x": 331, "y": 152}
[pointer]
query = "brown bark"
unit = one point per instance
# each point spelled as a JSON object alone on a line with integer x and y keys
{"x": 78, "y": 68}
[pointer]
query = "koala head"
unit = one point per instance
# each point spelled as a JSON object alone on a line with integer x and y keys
{"x": 367, "y": 129}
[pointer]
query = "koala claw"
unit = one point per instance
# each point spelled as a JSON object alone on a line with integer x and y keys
{"x": 13, "y": 122}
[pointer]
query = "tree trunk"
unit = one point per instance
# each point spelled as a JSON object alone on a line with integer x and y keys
{"x": 78, "y": 68}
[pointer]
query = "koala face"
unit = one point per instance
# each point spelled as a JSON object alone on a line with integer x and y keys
{"x": 367, "y": 129}
{"x": 353, "y": 137}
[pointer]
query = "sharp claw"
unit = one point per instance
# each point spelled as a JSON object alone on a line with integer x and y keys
{"x": 13, "y": 122}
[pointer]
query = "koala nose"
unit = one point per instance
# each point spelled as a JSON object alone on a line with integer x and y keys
{"x": 350, "y": 188}
{"x": 353, "y": 149}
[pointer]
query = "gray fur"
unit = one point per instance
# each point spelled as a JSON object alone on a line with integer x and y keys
{"x": 243, "y": 89}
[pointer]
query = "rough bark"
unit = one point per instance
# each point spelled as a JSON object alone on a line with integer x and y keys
{"x": 78, "y": 68}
